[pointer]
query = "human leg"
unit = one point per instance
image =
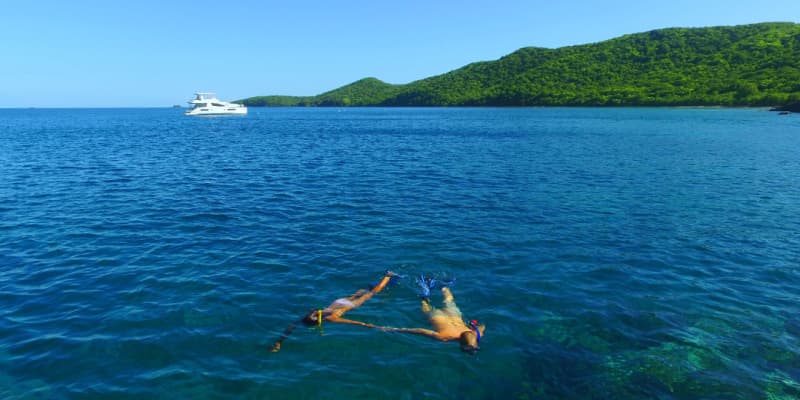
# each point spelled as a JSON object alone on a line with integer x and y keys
{"x": 363, "y": 295}
{"x": 448, "y": 295}
{"x": 449, "y": 302}
{"x": 358, "y": 293}
{"x": 426, "y": 306}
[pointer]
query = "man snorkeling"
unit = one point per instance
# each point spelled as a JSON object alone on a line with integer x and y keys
{"x": 334, "y": 312}
{"x": 447, "y": 321}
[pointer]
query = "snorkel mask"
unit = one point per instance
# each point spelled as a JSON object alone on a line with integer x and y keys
{"x": 474, "y": 325}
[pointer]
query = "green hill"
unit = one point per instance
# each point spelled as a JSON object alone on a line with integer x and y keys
{"x": 740, "y": 65}
{"x": 365, "y": 92}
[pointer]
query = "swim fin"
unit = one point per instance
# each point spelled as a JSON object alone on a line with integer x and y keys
{"x": 394, "y": 277}
{"x": 425, "y": 287}
{"x": 448, "y": 282}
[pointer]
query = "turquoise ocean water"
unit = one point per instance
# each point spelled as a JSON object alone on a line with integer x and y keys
{"x": 612, "y": 253}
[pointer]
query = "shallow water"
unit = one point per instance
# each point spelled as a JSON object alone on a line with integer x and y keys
{"x": 612, "y": 253}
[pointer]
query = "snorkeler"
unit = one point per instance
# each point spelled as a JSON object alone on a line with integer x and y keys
{"x": 447, "y": 321}
{"x": 334, "y": 312}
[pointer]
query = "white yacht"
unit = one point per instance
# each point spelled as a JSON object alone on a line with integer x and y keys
{"x": 209, "y": 104}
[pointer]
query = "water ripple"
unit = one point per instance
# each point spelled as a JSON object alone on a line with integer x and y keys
{"x": 627, "y": 253}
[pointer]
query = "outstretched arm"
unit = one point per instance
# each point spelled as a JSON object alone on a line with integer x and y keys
{"x": 418, "y": 331}
{"x": 352, "y": 322}
{"x": 277, "y": 346}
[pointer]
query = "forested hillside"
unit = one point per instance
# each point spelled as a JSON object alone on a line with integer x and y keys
{"x": 748, "y": 65}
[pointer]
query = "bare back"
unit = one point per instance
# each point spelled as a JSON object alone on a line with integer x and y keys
{"x": 446, "y": 321}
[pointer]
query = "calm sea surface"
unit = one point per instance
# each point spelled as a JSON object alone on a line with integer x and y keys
{"x": 612, "y": 253}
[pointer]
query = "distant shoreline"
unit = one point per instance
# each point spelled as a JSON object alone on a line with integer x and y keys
{"x": 169, "y": 108}
{"x": 726, "y": 66}
{"x": 711, "y": 107}
{"x": 721, "y": 107}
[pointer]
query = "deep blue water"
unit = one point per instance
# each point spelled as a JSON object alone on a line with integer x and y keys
{"x": 612, "y": 253}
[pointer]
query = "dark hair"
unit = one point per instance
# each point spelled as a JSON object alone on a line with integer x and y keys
{"x": 464, "y": 341}
{"x": 312, "y": 318}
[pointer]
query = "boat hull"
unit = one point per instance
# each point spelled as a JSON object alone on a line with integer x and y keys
{"x": 217, "y": 111}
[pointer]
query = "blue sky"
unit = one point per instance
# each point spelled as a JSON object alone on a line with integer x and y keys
{"x": 143, "y": 53}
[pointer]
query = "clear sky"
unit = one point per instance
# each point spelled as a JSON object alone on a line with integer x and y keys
{"x": 87, "y": 53}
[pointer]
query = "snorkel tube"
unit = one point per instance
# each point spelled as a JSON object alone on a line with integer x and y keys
{"x": 474, "y": 325}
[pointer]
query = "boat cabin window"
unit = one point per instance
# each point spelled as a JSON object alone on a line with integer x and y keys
{"x": 217, "y": 105}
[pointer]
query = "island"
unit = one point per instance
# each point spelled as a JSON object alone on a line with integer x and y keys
{"x": 745, "y": 65}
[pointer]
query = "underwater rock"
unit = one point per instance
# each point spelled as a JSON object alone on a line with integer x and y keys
{"x": 781, "y": 386}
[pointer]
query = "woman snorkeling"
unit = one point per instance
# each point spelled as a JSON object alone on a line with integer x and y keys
{"x": 334, "y": 312}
